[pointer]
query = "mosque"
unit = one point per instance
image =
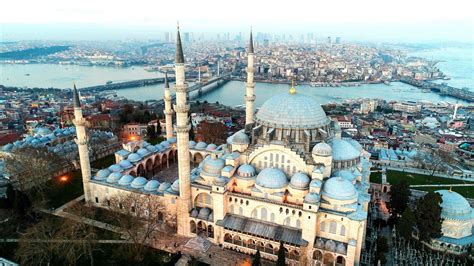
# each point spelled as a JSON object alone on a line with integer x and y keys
{"x": 288, "y": 177}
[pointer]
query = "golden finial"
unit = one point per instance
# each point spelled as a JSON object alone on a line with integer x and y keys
{"x": 292, "y": 88}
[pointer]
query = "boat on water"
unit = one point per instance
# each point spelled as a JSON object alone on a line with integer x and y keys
{"x": 109, "y": 82}
{"x": 386, "y": 82}
{"x": 27, "y": 74}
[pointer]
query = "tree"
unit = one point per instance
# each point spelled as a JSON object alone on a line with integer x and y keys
{"x": 428, "y": 216}
{"x": 191, "y": 134}
{"x": 406, "y": 224}
{"x": 256, "y": 259}
{"x": 212, "y": 132}
{"x": 140, "y": 217}
{"x": 382, "y": 248}
{"x": 281, "y": 256}
{"x": 151, "y": 132}
{"x": 399, "y": 196}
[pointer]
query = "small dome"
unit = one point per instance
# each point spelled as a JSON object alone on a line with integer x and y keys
{"x": 300, "y": 181}
{"x": 125, "y": 180}
{"x": 139, "y": 182}
{"x": 211, "y": 217}
{"x": 343, "y": 150}
{"x": 341, "y": 248}
{"x": 143, "y": 152}
{"x": 339, "y": 188}
{"x": 159, "y": 147}
{"x": 172, "y": 140}
{"x": 151, "y": 148}
{"x": 204, "y": 213}
{"x": 133, "y": 157}
{"x": 115, "y": 168}
{"x": 246, "y": 170}
{"x": 272, "y": 178}
{"x": 322, "y": 149}
{"x": 211, "y": 147}
{"x": 346, "y": 174}
{"x": 164, "y": 186}
{"x": 213, "y": 166}
{"x": 194, "y": 213}
{"x": 330, "y": 245}
{"x": 175, "y": 186}
{"x": 319, "y": 243}
{"x": 44, "y": 131}
{"x": 311, "y": 198}
{"x": 152, "y": 185}
{"x": 125, "y": 164}
{"x": 102, "y": 174}
{"x": 454, "y": 206}
{"x": 201, "y": 145}
{"x": 240, "y": 138}
{"x": 165, "y": 144}
{"x": 315, "y": 183}
{"x": 192, "y": 144}
{"x": 220, "y": 181}
{"x": 114, "y": 177}
{"x": 7, "y": 147}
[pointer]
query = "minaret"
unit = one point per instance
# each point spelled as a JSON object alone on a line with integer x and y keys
{"x": 250, "y": 85}
{"x": 182, "y": 130}
{"x": 81, "y": 141}
{"x": 168, "y": 111}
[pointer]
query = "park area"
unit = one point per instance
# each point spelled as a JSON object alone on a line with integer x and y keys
{"x": 413, "y": 179}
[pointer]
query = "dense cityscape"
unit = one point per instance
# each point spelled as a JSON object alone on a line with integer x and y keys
{"x": 235, "y": 148}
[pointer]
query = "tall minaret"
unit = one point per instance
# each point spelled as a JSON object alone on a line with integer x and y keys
{"x": 250, "y": 85}
{"x": 168, "y": 111}
{"x": 82, "y": 140}
{"x": 182, "y": 130}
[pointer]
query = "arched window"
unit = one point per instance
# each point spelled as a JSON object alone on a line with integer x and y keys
{"x": 203, "y": 200}
{"x": 343, "y": 230}
{"x": 254, "y": 214}
{"x": 241, "y": 211}
{"x": 323, "y": 227}
{"x": 332, "y": 227}
{"x": 263, "y": 214}
{"x": 272, "y": 217}
{"x": 287, "y": 221}
{"x": 231, "y": 208}
{"x": 298, "y": 223}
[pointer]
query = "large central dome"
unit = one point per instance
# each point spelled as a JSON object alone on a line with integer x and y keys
{"x": 292, "y": 110}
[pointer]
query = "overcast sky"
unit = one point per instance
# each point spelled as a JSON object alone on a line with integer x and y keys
{"x": 404, "y": 20}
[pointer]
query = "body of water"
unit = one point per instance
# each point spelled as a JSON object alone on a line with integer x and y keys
{"x": 458, "y": 64}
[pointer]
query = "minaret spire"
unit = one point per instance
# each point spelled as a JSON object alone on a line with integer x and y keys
{"x": 82, "y": 141}
{"x": 168, "y": 111}
{"x": 182, "y": 135}
{"x": 250, "y": 85}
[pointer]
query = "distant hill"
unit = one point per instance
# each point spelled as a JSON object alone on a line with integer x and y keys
{"x": 32, "y": 53}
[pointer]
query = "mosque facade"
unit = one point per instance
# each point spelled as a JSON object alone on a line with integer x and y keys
{"x": 288, "y": 177}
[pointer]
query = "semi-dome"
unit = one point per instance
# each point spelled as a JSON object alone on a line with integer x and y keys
{"x": 339, "y": 188}
{"x": 240, "y": 138}
{"x": 152, "y": 185}
{"x": 133, "y": 157}
{"x": 455, "y": 206}
{"x": 213, "y": 166}
{"x": 114, "y": 177}
{"x": 102, "y": 174}
{"x": 143, "y": 152}
{"x": 272, "y": 178}
{"x": 322, "y": 149}
{"x": 346, "y": 174}
{"x": 300, "y": 181}
{"x": 311, "y": 198}
{"x": 292, "y": 110}
{"x": 343, "y": 150}
{"x": 246, "y": 170}
{"x": 125, "y": 180}
{"x": 125, "y": 164}
{"x": 201, "y": 145}
{"x": 115, "y": 168}
{"x": 139, "y": 182}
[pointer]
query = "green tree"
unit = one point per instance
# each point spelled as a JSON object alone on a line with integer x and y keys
{"x": 151, "y": 132}
{"x": 428, "y": 216}
{"x": 406, "y": 223}
{"x": 382, "y": 248}
{"x": 399, "y": 196}
{"x": 256, "y": 259}
{"x": 281, "y": 255}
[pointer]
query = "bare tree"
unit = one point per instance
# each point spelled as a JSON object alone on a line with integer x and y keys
{"x": 212, "y": 132}
{"x": 30, "y": 168}
{"x": 141, "y": 217}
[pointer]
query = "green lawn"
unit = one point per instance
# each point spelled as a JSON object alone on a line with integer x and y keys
{"x": 376, "y": 177}
{"x": 467, "y": 192}
{"x": 394, "y": 177}
{"x": 59, "y": 191}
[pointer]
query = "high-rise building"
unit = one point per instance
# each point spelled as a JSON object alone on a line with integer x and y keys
{"x": 186, "y": 37}
{"x": 167, "y": 36}
{"x": 329, "y": 39}
{"x": 338, "y": 40}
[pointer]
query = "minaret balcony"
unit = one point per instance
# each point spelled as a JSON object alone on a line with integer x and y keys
{"x": 249, "y": 69}
{"x": 182, "y": 129}
{"x": 167, "y": 98}
{"x": 168, "y": 112}
{"x": 249, "y": 98}
{"x": 181, "y": 88}
{"x": 181, "y": 108}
